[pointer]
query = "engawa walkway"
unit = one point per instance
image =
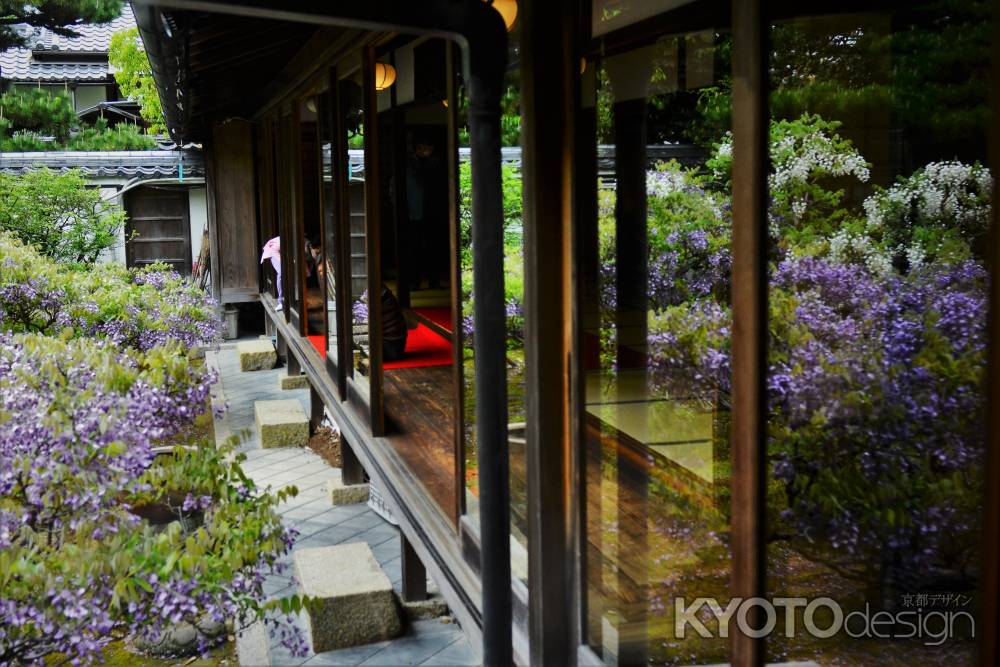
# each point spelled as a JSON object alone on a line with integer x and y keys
{"x": 429, "y": 642}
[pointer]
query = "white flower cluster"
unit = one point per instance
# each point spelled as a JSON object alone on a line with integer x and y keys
{"x": 850, "y": 248}
{"x": 797, "y": 159}
{"x": 943, "y": 192}
{"x": 663, "y": 183}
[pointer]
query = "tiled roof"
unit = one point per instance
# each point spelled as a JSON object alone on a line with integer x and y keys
{"x": 109, "y": 164}
{"x": 21, "y": 65}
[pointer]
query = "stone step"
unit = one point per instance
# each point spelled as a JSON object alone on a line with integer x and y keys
{"x": 281, "y": 423}
{"x": 257, "y": 355}
{"x": 350, "y": 600}
{"x": 345, "y": 494}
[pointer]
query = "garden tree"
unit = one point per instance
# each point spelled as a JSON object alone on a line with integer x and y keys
{"x": 59, "y": 215}
{"x": 37, "y": 111}
{"x": 59, "y": 16}
{"x": 37, "y": 120}
{"x": 101, "y": 537}
{"x": 135, "y": 76}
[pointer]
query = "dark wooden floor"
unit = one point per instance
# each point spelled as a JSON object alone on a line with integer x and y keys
{"x": 420, "y": 425}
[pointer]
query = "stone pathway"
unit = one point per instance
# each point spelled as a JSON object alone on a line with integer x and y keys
{"x": 428, "y": 642}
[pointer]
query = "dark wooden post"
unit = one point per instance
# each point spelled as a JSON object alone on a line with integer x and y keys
{"x": 414, "y": 573}
{"x": 294, "y": 367}
{"x": 549, "y": 89}
{"x": 351, "y": 470}
{"x": 281, "y": 347}
{"x": 316, "y": 410}
{"x": 749, "y": 420}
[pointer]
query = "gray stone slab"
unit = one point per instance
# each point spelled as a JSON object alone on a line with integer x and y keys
{"x": 252, "y": 645}
{"x": 458, "y": 653}
{"x": 412, "y": 650}
{"x": 350, "y": 599}
{"x": 347, "y": 656}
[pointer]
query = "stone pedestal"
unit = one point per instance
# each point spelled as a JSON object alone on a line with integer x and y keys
{"x": 351, "y": 601}
{"x": 256, "y": 355}
{"x": 346, "y": 494}
{"x": 281, "y": 423}
{"x": 287, "y": 382}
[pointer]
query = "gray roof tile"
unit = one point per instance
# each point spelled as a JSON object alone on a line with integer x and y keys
{"x": 21, "y": 65}
{"x": 109, "y": 164}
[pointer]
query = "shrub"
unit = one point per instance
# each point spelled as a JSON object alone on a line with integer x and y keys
{"x": 123, "y": 137}
{"x": 98, "y": 376}
{"x": 135, "y": 308}
{"x": 38, "y": 111}
{"x": 59, "y": 215}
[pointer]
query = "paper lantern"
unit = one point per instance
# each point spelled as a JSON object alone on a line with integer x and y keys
{"x": 507, "y": 10}
{"x": 385, "y": 76}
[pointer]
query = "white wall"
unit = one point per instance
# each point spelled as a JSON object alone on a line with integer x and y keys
{"x": 198, "y": 212}
{"x": 88, "y": 96}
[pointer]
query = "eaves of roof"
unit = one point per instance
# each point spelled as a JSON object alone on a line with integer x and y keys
{"x": 110, "y": 164}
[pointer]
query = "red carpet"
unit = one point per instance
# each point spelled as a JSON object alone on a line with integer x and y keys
{"x": 440, "y": 316}
{"x": 424, "y": 348}
{"x": 319, "y": 342}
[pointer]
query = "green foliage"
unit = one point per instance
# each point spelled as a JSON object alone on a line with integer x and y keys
{"x": 59, "y": 215}
{"x": 60, "y": 16}
{"x": 122, "y": 137}
{"x": 24, "y": 142}
{"x": 38, "y": 111}
{"x": 513, "y": 245}
{"x": 28, "y": 115}
{"x": 510, "y": 117}
{"x": 135, "y": 76}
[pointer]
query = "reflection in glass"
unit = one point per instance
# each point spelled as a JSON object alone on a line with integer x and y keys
{"x": 419, "y": 376}
{"x": 656, "y": 319}
{"x": 880, "y": 207}
{"x": 351, "y": 98}
{"x": 312, "y": 224}
{"x": 326, "y": 270}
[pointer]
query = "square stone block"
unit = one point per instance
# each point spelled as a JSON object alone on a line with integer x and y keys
{"x": 256, "y": 355}
{"x": 293, "y": 382}
{"x": 346, "y": 494}
{"x": 281, "y": 423}
{"x": 351, "y": 601}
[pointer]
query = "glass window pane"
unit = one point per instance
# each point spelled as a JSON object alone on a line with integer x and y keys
{"x": 327, "y": 260}
{"x": 514, "y": 303}
{"x": 419, "y": 374}
{"x": 880, "y": 207}
{"x": 656, "y": 320}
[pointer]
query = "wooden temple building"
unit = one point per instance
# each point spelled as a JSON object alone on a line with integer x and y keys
{"x": 560, "y": 499}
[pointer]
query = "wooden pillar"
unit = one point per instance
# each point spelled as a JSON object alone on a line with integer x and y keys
{"x": 351, "y": 470}
{"x": 294, "y": 367}
{"x": 549, "y": 91}
{"x": 281, "y": 347}
{"x": 414, "y": 573}
{"x": 316, "y": 410}
{"x": 749, "y": 406}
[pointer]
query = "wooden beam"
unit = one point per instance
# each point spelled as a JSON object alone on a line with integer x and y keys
{"x": 749, "y": 294}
